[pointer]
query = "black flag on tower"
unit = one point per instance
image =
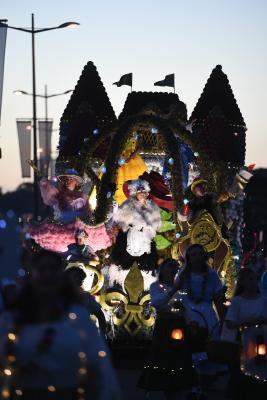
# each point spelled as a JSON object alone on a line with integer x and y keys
{"x": 167, "y": 81}
{"x": 126, "y": 79}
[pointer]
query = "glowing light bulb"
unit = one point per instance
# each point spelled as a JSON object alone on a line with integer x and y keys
{"x": 3, "y": 224}
{"x": 10, "y": 214}
{"x": 177, "y": 334}
{"x": 5, "y": 393}
{"x": 261, "y": 349}
{"x": 82, "y": 371}
{"x": 7, "y": 372}
{"x": 122, "y": 161}
{"x": 11, "y": 336}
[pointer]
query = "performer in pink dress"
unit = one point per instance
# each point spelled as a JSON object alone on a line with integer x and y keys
{"x": 71, "y": 212}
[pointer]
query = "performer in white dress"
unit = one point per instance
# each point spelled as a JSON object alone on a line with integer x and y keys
{"x": 138, "y": 219}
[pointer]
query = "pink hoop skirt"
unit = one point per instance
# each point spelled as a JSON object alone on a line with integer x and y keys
{"x": 57, "y": 237}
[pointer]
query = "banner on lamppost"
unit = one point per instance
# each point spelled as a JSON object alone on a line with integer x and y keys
{"x": 24, "y": 128}
{"x": 45, "y": 136}
{"x": 3, "y": 32}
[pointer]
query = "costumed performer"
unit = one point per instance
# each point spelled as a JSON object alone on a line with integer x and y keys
{"x": 138, "y": 219}
{"x": 168, "y": 368}
{"x": 131, "y": 168}
{"x": 71, "y": 212}
{"x": 83, "y": 254}
{"x": 210, "y": 201}
{"x": 203, "y": 287}
{"x": 68, "y": 200}
{"x": 80, "y": 251}
{"x": 204, "y": 200}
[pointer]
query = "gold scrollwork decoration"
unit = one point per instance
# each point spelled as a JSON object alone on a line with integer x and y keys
{"x": 206, "y": 232}
{"x": 87, "y": 267}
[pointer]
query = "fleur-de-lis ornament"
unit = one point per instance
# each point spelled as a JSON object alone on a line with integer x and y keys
{"x": 131, "y": 303}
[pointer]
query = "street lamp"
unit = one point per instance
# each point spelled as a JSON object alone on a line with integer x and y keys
{"x": 33, "y": 31}
{"x": 45, "y": 96}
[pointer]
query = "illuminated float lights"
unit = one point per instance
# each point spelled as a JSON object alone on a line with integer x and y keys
{"x": 245, "y": 327}
{"x": 251, "y": 375}
{"x": 165, "y": 369}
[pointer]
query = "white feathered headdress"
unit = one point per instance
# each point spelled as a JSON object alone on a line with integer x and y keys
{"x": 138, "y": 185}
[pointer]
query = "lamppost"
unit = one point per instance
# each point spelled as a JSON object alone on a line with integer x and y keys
{"x": 33, "y": 31}
{"x": 45, "y": 96}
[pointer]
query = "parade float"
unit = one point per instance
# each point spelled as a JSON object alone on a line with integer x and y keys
{"x": 189, "y": 173}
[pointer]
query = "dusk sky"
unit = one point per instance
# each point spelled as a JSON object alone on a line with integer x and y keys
{"x": 150, "y": 38}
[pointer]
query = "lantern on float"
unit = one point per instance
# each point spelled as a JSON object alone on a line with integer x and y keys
{"x": 177, "y": 334}
{"x": 261, "y": 349}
